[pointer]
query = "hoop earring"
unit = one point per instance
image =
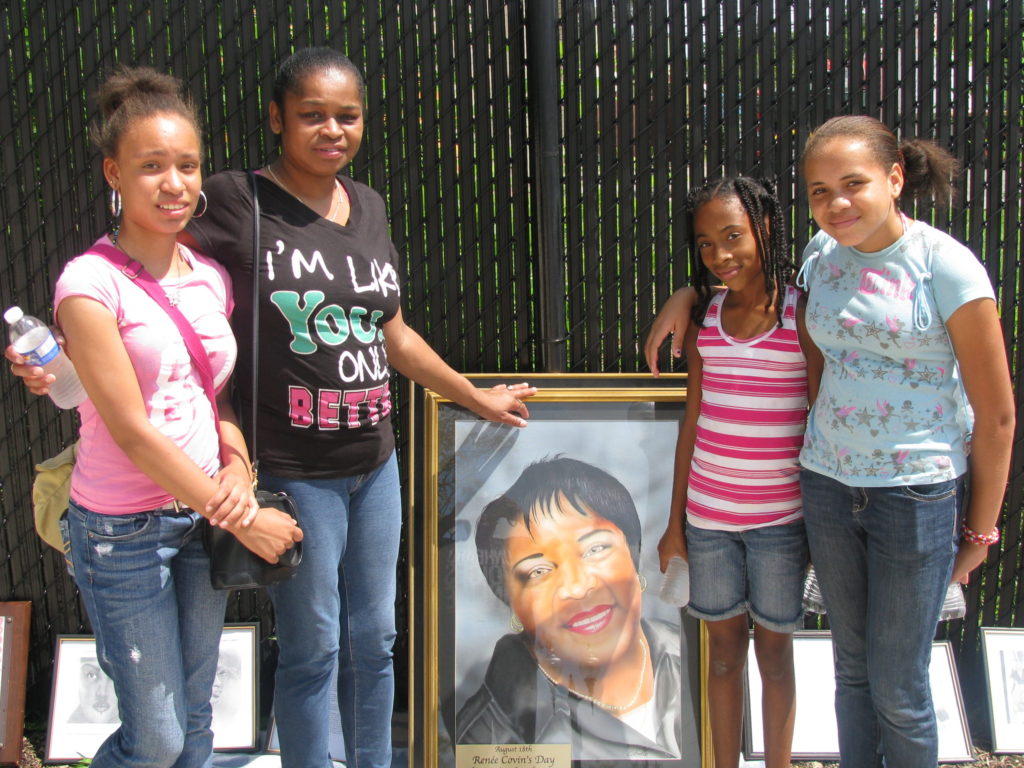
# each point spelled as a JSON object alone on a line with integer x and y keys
{"x": 643, "y": 582}
{"x": 206, "y": 204}
{"x": 515, "y": 624}
{"x": 115, "y": 204}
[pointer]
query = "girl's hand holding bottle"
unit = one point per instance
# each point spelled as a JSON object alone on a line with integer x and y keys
{"x": 672, "y": 544}
{"x": 35, "y": 378}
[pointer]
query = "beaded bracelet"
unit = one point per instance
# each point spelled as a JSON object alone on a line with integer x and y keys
{"x": 971, "y": 536}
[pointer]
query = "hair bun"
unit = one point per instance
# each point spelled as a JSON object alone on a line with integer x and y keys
{"x": 136, "y": 93}
{"x": 129, "y": 83}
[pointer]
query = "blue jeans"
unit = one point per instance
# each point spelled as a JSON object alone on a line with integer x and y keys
{"x": 145, "y": 582}
{"x": 339, "y": 609}
{"x": 884, "y": 557}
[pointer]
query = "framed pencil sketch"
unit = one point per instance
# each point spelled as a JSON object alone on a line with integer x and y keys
{"x": 83, "y": 705}
{"x": 14, "y": 625}
{"x": 1003, "y": 650}
{"x": 954, "y": 732}
{"x": 814, "y": 733}
{"x": 336, "y": 742}
{"x": 538, "y": 637}
{"x": 234, "y": 697}
{"x": 815, "y": 736}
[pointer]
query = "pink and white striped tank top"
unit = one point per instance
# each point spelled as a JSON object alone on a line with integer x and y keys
{"x": 745, "y": 471}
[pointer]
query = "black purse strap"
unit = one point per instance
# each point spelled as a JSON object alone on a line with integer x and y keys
{"x": 255, "y": 319}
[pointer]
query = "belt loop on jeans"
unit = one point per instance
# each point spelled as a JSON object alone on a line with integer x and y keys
{"x": 173, "y": 505}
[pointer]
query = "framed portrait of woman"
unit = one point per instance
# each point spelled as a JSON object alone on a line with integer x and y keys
{"x": 538, "y": 635}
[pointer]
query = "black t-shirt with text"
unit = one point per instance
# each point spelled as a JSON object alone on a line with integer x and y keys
{"x": 325, "y": 293}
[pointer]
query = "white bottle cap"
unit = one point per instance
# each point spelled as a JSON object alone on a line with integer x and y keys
{"x": 13, "y": 314}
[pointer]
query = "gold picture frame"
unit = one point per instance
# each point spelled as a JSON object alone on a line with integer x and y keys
{"x": 621, "y": 425}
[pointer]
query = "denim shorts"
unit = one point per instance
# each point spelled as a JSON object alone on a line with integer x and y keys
{"x": 759, "y": 571}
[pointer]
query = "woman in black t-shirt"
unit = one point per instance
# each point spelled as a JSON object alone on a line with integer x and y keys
{"x": 330, "y": 325}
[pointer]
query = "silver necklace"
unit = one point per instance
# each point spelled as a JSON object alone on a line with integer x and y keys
{"x": 603, "y": 704}
{"x": 175, "y": 297}
{"x": 336, "y": 198}
{"x": 172, "y": 298}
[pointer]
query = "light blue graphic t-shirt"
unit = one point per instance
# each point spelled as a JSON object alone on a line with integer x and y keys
{"x": 891, "y": 409}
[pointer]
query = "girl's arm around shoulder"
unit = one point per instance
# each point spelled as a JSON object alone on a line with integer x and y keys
{"x": 672, "y": 319}
{"x": 977, "y": 339}
{"x": 673, "y": 540}
{"x": 815, "y": 360}
{"x": 414, "y": 358}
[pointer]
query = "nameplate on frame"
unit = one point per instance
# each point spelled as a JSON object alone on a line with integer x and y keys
{"x": 513, "y": 756}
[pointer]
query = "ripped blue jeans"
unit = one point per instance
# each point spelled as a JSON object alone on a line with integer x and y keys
{"x": 145, "y": 582}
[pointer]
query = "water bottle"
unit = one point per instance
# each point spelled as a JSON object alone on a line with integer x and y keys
{"x": 33, "y": 340}
{"x": 675, "y": 586}
{"x": 955, "y": 605}
{"x": 813, "y": 601}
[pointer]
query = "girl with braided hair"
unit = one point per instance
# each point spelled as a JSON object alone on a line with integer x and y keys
{"x": 736, "y": 513}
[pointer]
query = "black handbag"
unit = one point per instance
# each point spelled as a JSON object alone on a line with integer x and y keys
{"x": 232, "y": 566}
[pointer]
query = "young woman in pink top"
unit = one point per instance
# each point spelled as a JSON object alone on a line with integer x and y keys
{"x": 153, "y": 461}
{"x": 736, "y": 512}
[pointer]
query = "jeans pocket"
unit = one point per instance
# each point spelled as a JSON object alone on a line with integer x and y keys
{"x": 930, "y": 491}
{"x": 117, "y": 527}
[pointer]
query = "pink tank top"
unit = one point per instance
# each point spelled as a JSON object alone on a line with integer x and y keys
{"x": 745, "y": 471}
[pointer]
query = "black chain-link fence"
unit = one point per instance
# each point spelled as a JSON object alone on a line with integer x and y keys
{"x": 641, "y": 99}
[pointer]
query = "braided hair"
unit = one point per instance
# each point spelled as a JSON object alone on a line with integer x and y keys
{"x": 761, "y": 203}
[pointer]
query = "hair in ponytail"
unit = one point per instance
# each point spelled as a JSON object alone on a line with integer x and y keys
{"x": 928, "y": 169}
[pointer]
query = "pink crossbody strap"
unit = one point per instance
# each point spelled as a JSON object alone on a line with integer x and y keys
{"x": 134, "y": 271}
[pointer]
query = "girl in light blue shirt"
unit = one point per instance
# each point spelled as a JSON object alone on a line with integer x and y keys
{"x": 915, "y": 395}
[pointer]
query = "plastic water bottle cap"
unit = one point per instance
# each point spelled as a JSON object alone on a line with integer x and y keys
{"x": 13, "y": 314}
